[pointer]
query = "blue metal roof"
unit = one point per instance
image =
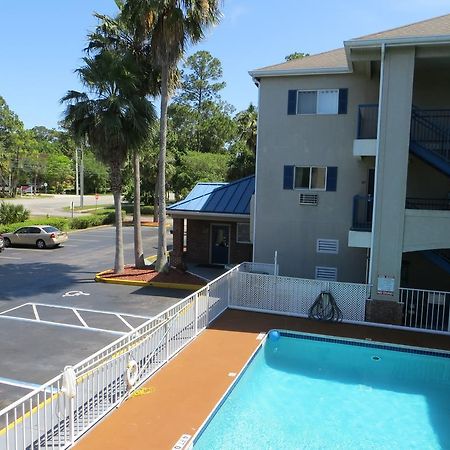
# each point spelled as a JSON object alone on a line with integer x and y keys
{"x": 218, "y": 198}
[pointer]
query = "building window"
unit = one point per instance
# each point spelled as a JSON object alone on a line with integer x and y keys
{"x": 324, "y": 101}
{"x": 312, "y": 178}
{"x": 243, "y": 233}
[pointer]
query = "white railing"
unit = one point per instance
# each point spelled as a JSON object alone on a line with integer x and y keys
{"x": 47, "y": 419}
{"x": 294, "y": 296}
{"x": 263, "y": 268}
{"x": 426, "y": 309}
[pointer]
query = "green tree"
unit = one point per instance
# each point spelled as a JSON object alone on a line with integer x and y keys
{"x": 194, "y": 167}
{"x": 295, "y": 55}
{"x": 95, "y": 174}
{"x": 172, "y": 25}
{"x": 58, "y": 172}
{"x": 243, "y": 151}
{"x": 121, "y": 35}
{"x": 113, "y": 117}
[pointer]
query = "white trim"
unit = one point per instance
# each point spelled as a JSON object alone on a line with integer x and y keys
{"x": 205, "y": 216}
{"x": 293, "y": 72}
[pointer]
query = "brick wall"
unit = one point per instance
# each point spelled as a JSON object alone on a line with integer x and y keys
{"x": 199, "y": 241}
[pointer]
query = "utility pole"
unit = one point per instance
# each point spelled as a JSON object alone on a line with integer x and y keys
{"x": 81, "y": 176}
{"x": 77, "y": 188}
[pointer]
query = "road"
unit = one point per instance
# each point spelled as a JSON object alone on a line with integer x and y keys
{"x": 36, "y": 342}
{"x": 54, "y": 206}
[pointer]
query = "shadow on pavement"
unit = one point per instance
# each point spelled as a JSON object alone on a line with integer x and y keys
{"x": 18, "y": 280}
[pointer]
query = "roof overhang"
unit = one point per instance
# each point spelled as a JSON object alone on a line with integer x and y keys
{"x": 205, "y": 215}
{"x": 256, "y": 74}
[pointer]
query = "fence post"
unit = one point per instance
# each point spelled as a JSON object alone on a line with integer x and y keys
{"x": 207, "y": 305}
{"x": 196, "y": 315}
{"x": 166, "y": 332}
{"x": 72, "y": 421}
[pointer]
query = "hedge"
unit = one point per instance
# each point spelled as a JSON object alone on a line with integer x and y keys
{"x": 146, "y": 210}
{"x": 107, "y": 217}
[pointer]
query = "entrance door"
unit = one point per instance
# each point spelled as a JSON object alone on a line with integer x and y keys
{"x": 220, "y": 243}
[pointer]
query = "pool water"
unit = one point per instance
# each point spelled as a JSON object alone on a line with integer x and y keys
{"x": 307, "y": 392}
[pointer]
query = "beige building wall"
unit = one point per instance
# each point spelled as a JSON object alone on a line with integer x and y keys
{"x": 309, "y": 140}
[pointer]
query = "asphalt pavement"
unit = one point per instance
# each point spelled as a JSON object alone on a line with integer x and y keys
{"x": 53, "y": 313}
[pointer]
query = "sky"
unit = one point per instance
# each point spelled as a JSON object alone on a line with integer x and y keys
{"x": 42, "y": 42}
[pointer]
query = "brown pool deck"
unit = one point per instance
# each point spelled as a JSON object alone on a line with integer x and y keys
{"x": 178, "y": 398}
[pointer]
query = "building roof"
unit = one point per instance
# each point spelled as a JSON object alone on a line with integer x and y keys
{"x": 437, "y": 26}
{"x": 218, "y": 198}
{"x": 336, "y": 61}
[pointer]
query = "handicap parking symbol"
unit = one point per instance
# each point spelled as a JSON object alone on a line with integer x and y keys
{"x": 75, "y": 293}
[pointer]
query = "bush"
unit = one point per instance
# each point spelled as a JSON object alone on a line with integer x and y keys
{"x": 11, "y": 213}
{"x": 58, "y": 222}
{"x": 146, "y": 210}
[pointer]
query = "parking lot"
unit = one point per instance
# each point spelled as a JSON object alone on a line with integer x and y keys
{"x": 53, "y": 313}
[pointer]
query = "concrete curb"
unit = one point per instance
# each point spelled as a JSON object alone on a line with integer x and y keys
{"x": 182, "y": 286}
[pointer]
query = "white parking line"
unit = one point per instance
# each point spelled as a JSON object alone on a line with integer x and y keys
{"x": 63, "y": 325}
{"x": 20, "y": 384}
{"x": 83, "y": 240}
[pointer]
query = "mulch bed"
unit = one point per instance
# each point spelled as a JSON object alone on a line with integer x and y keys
{"x": 172, "y": 276}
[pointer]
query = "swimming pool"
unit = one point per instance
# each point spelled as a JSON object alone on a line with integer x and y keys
{"x": 313, "y": 392}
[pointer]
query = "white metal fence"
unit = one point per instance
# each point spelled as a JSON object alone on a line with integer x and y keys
{"x": 294, "y": 296}
{"x": 426, "y": 309}
{"x": 48, "y": 419}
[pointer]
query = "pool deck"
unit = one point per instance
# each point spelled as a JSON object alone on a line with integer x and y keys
{"x": 179, "y": 397}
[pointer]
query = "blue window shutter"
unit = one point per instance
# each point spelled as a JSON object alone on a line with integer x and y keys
{"x": 288, "y": 179}
{"x": 292, "y": 103}
{"x": 343, "y": 99}
{"x": 331, "y": 178}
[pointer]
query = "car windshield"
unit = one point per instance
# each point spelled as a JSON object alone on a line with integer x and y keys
{"x": 50, "y": 229}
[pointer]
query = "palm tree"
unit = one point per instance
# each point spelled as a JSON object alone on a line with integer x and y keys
{"x": 171, "y": 25}
{"x": 119, "y": 35}
{"x": 113, "y": 118}
{"x": 247, "y": 121}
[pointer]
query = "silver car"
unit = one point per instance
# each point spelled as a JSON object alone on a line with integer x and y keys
{"x": 41, "y": 236}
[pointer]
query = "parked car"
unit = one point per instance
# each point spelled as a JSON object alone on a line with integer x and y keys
{"x": 41, "y": 236}
{"x": 2, "y": 243}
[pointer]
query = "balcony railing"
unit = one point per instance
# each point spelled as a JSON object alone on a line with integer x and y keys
{"x": 429, "y": 127}
{"x": 363, "y": 209}
{"x": 439, "y": 204}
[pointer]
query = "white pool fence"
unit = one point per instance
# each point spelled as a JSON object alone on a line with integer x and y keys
{"x": 53, "y": 417}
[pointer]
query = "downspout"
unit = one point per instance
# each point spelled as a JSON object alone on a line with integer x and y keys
{"x": 375, "y": 190}
{"x": 256, "y": 81}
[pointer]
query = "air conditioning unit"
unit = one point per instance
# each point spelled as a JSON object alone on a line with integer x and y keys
{"x": 309, "y": 199}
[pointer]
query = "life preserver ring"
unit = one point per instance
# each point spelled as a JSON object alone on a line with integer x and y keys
{"x": 132, "y": 372}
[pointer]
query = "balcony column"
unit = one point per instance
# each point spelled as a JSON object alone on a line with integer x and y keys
{"x": 394, "y": 119}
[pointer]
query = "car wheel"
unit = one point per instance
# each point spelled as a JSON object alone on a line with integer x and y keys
{"x": 40, "y": 243}
{"x": 7, "y": 242}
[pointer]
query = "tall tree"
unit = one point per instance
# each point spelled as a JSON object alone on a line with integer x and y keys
{"x": 172, "y": 25}
{"x": 243, "y": 151}
{"x": 113, "y": 117}
{"x": 120, "y": 34}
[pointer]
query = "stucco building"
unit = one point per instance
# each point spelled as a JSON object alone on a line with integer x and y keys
{"x": 353, "y": 162}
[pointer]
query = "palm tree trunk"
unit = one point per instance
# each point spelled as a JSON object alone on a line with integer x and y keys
{"x": 138, "y": 249}
{"x": 155, "y": 203}
{"x": 116, "y": 187}
{"x": 161, "y": 261}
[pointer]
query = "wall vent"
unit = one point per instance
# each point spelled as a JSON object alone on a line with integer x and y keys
{"x": 327, "y": 246}
{"x": 309, "y": 199}
{"x": 326, "y": 273}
